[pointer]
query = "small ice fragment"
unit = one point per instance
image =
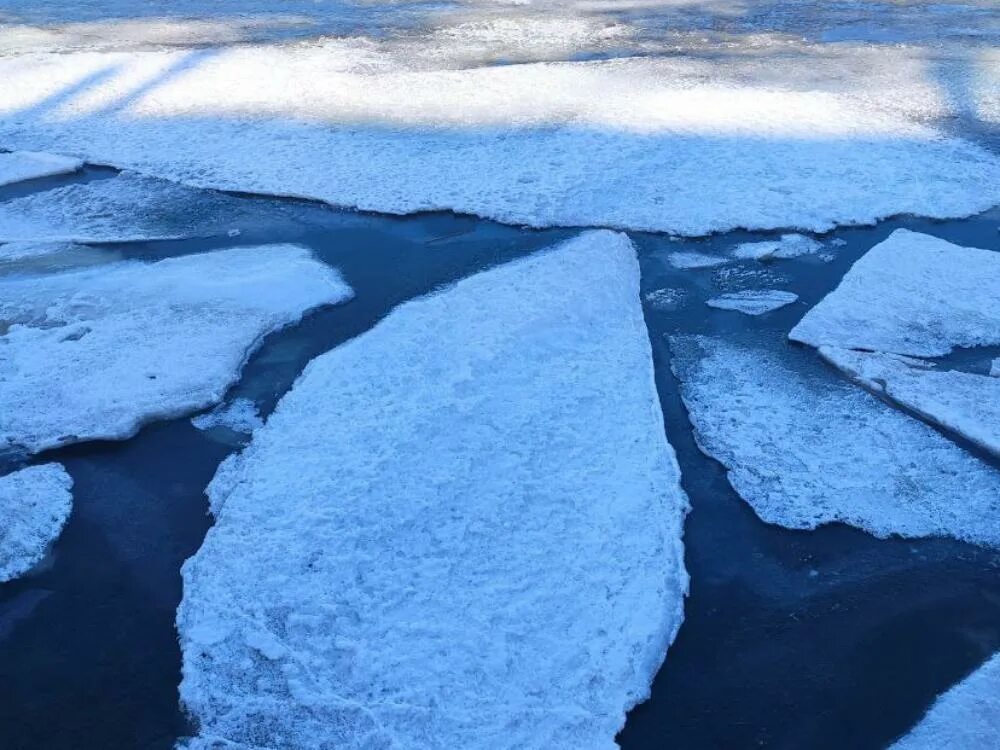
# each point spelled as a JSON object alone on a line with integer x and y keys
{"x": 789, "y": 246}
{"x": 17, "y": 166}
{"x": 34, "y": 505}
{"x": 686, "y": 260}
{"x": 240, "y": 415}
{"x": 753, "y": 301}
{"x": 995, "y": 368}
{"x": 667, "y": 298}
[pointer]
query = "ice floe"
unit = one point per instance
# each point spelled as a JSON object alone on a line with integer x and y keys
{"x": 685, "y": 260}
{"x": 461, "y": 529}
{"x": 239, "y": 416}
{"x": 753, "y": 301}
{"x": 995, "y": 368}
{"x": 679, "y": 144}
{"x": 787, "y": 246}
{"x": 96, "y": 352}
{"x": 805, "y": 451}
{"x": 966, "y": 717}
{"x": 962, "y": 402}
{"x": 34, "y": 505}
{"x": 124, "y": 208}
{"x": 18, "y": 166}
{"x": 910, "y": 294}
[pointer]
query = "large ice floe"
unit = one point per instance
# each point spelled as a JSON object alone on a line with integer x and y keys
{"x": 462, "y": 529}
{"x": 967, "y": 717}
{"x": 962, "y": 402}
{"x": 805, "y": 451}
{"x": 97, "y": 352}
{"x": 124, "y": 208}
{"x": 911, "y": 294}
{"x": 34, "y": 505}
{"x": 18, "y": 166}
{"x": 687, "y": 144}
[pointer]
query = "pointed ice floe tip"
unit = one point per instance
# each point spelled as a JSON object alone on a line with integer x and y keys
{"x": 966, "y": 717}
{"x": 910, "y": 294}
{"x": 805, "y": 450}
{"x": 17, "y": 166}
{"x": 430, "y": 544}
{"x": 34, "y": 505}
{"x": 94, "y": 353}
{"x": 788, "y": 246}
{"x": 959, "y": 402}
{"x": 753, "y": 301}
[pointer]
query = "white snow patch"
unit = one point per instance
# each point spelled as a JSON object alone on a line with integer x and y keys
{"x": 96, "y": 352}
{"x": 240, "y": 415}
{"x": 959, "y": 401}
{"x": 804, "y": 452}
{"x": 910, "y": 294}
{"x": 461, "y": 529}
{"x": 788, "y": 246}
{"x": 34, "y": 505}
{"x": 753, "y": 301}
{"x": 686, "y": 260}
{"x": 967, "y": 717}
{"x": 17, "y": 166}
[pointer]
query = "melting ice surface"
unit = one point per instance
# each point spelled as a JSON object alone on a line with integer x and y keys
{"x": 34, "y": 504}
{"x": 18, "y": 166}
{"x": 97, "y": 352}
{"x": 964, "y": 718}
{"x": 804, "y": 452}
{"x": 460, "y": 529}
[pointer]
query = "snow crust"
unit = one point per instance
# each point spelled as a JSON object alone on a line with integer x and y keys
{"x": 804, "y": 451}
{"x": 967, "y": 717}
{"x": 462, "y": 529}
{"x": 683, "y": 144}
{"x": 34, "y": 505}
{"x": 17, "y": 166}
{"x": 753, "y": 301}
{"x": 910, "y": 294}
{"x": 94, "y": 353}
{"x": 787, "y": 246}
{"x": 125, "y": 208}
{"x": 959, "y": 401}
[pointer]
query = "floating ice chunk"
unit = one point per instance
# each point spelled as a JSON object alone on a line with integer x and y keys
{"x": 429, "y": 544}
{"x": 685, "y": 260}
{"x": 121, "y": 209}
{"x": 959, "y": 401}
{"x": 910, "y": 294}
{"x": 789, "y": 246}
{"x": 96, "y": 352}
{"x": 995, "y": 368}
{"x": 239, "y": 416}
{"x": 967, "y": 717}
{"x": 17, "y": 166}
{"x": 34, "y": 505}
{"x": 804, "y": 451}
{"x": 753, "y": 301}
{"x": 668, "y": 298}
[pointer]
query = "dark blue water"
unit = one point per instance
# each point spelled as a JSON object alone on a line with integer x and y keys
{"x": 825, "y": 639}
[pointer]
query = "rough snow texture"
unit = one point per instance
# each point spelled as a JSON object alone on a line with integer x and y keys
{"x": 911, "y": 294}
{"x": 688, "y": 145}
{"x": 788, "y": 246}
{"x": 462, "y": 529}
{"x": 958, "y": 401}
{"x": 753, "y": 301}
{"x": 34, "y": 505}
{"x": 239, "y": 416}
{"x": 967, "y": 717}
{"x": 686, "y": 260}
{"x": 804, "y": 451}
{"x": 18, "y": 166}
{"x": 122, "y": 209}
{"x": 96, "y": 352}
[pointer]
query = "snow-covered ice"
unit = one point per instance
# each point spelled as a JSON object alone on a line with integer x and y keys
{"x": 910, "y": 294}
{"x": 124, "y": 208}
{"x": 239, "y": 416}
{"x": 686, "y": 260}
{"x": 805, "y": 451}
{"x": 461, "y": 529}
{"x": 966, "y": 717}
{"x": 34, "y": 505}
{"x": 753, "y": 301}
{"x": 787, "y": 246}
{"x": 17, "y": 166}
{"x": 685, "y": 144}
{"x": 962, "y": 402}
{"x": 97, "y": 352}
